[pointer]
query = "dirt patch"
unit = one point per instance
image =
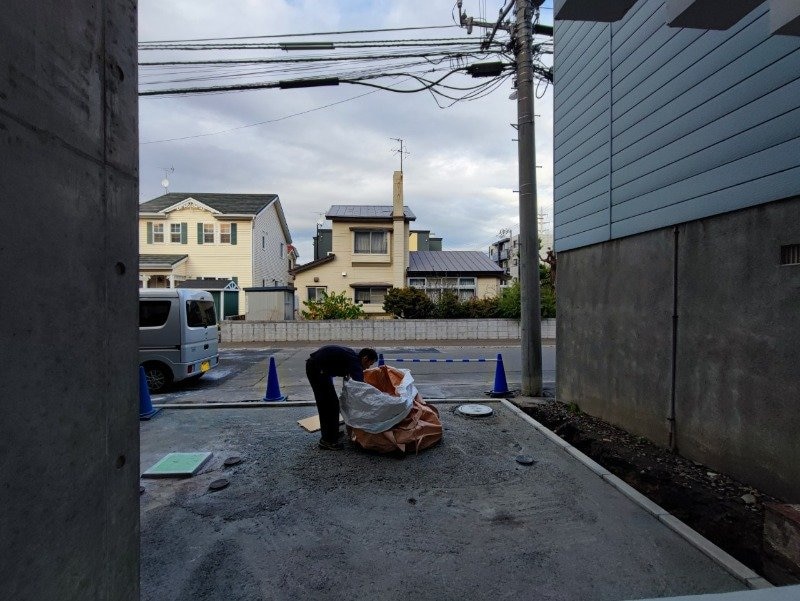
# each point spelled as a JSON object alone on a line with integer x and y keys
{"x": 725, "y": 511}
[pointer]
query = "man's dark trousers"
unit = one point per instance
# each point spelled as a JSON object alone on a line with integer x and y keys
{"x": 327, "y": 400}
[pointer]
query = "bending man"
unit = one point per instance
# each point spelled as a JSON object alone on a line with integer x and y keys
{"x": 321, "y": 367}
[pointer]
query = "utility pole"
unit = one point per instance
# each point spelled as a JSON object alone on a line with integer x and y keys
{"x": 530, "y": 319}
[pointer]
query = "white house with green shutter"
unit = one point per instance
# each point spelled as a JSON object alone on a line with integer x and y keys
{"x": 239, "y": 238}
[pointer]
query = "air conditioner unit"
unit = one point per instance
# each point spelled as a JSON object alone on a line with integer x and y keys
{"x": 330, "y": 253}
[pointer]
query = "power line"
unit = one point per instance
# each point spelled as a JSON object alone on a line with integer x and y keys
{"x": 225, "y": 131}
{"x": 299, "y": 35}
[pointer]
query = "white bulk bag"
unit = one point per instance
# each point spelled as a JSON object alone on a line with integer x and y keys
{"x": 364, "y": 406}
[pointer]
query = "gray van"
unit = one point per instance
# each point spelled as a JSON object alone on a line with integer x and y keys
{"x": 178, "y": 335}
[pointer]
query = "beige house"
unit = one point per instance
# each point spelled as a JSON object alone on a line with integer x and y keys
{"x": 238, "y": 240}
{"x": 370, "y": 254}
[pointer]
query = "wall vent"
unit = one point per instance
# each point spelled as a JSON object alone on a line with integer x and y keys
{"x": 790, "y": 254}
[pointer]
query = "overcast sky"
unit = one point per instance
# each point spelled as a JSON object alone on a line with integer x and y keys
{"x": 461, "y": 172}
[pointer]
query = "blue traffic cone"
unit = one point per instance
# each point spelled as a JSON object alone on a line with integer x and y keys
{"x": 380, "y": 360}
{"x": 146, "y": 410}
{"x": 500, "y": 385}
{"x": 273, "y": 388}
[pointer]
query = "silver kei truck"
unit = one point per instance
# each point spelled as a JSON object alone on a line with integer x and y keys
{"x": 178, "y": 335}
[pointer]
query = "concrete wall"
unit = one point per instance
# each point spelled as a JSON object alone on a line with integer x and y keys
{"x": 368, "y": 329}
{"x": 69, "y": 447}
{"x": 737, "y": 401}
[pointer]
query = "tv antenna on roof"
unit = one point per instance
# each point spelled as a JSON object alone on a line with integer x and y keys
{"x": 165, "y": 181}
{"x": 400, "y": 151}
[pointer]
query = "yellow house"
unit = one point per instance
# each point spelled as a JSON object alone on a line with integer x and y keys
{"x": 239, "y": 240}
{"x": 370, "y": 255}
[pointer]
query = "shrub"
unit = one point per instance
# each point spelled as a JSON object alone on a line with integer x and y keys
{"x": 482, "y": 308}
{"x": 448, "y": 306}
{"x": 548, "y": 301}
{"x": 508, "y": 303}
{"x": 408, "y": 303}
{"x": 332, "y": 306}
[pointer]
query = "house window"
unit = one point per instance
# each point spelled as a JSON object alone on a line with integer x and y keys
{"x": 370, "y": 296}
{"x": 208, "y": 233}
{"x": 416, "y": 282}
{"x": 281, "y": 250}
{"x": 158, "y": 232}
{"x": 465, "y": 288}
{"x": 175, "y": 233}
{"x": 225, "y": 233}
{"x": 315, "y": 293}
{"x": 370, "y": 242}
{"x": 263, "y": 242}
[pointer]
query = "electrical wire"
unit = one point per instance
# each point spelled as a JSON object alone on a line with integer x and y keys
{"x": 428, "y": 61}
{"x": 284, "y": 118}
{"x": 299, "y": 35}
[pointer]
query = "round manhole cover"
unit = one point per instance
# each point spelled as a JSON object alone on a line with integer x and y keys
{"x": 233, "y": 460}
{"x": 473, "y": 410}
{"x": 219, "y": 484}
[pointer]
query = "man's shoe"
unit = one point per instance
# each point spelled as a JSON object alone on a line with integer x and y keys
{"x": 330, "y": 446}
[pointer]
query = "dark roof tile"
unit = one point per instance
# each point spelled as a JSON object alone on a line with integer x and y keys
{"x": 166, "y": 260}
{"x": 365, "y": 212}
{"x": 235, "y": 204}
{"x": 451, "y": 262}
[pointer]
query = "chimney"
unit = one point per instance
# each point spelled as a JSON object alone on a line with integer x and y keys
{"x": 397, "y": 194}
{"x": 399, "y": 233}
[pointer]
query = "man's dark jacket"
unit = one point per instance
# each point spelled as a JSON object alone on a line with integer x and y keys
{"x": 333, "y": 360}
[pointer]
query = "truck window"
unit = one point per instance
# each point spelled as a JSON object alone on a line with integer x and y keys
{"x": 153, "y": 314}
{"x": 200, "y": 313}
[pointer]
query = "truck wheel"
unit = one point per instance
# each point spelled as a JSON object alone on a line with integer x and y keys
{"x": 158, "y": 377}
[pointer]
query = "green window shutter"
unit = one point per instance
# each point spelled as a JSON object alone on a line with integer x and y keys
{"x": 149, "y": 232}
{"x": 199, "y": 233}
{"x": 184, "y": 233}
{"x": 233, "y": 233}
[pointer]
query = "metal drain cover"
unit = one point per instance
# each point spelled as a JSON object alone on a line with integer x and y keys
{"x": 473, "y": 410}
{"x": 219, "y": 484}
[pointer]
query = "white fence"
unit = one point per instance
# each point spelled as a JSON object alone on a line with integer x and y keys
{"x": 367, "y": 330}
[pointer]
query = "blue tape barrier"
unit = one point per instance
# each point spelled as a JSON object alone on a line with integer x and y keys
{"x": 406, "y": 360}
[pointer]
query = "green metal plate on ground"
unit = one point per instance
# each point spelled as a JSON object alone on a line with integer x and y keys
{"x": 177, "y": 465}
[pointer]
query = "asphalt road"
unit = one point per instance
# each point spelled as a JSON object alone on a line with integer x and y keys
{"x": 242, "y": 372}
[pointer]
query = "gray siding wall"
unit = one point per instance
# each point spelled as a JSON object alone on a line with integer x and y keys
{"x": 656, "y": 126}
{"x": 270, "y": 258}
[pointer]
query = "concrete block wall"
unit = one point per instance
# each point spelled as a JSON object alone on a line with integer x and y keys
{"x": 365, "y": 330}
{"x": 737, "y": 407}
{"x": 69, "y": 435}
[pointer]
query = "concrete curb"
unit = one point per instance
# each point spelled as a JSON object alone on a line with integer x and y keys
{"x": 730, "y": 564}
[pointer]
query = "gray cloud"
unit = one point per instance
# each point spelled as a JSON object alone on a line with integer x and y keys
{"x": 459, "y": 177}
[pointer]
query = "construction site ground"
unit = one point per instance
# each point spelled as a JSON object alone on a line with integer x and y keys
{"x": 463, "y": 520}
